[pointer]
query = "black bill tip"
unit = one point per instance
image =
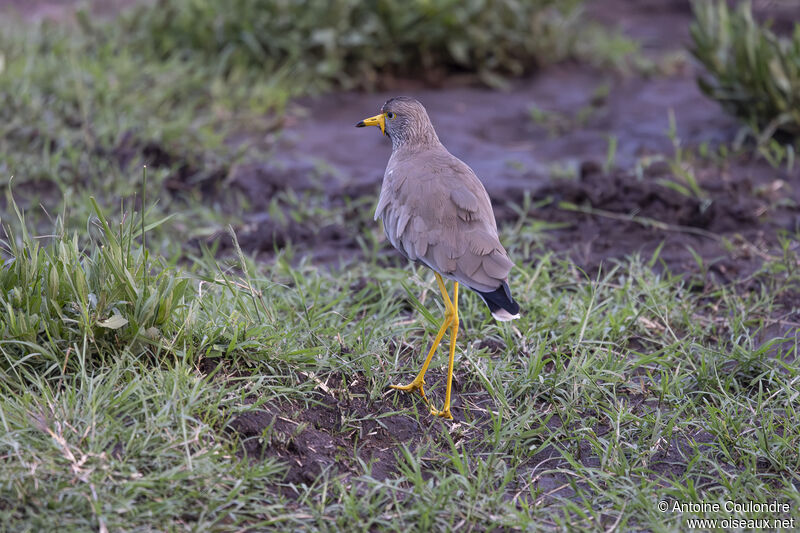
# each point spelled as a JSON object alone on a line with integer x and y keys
{"x": 360, "y": 124}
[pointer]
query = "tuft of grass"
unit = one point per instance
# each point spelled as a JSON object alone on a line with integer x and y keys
{"x": 681, "y": 166}
{"x": 753, "y": 73}
{"x": 349, "y": 43}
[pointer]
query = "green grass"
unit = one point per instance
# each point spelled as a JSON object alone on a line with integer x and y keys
{"x": 126, "y": 371}
{"x": 349, "y": 43}
{"x": 607, "y": 396}
{"x": 753, "y": 73}
{"x": 81, "y": 114}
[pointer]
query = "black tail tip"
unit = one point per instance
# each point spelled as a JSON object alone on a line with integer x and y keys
{"x": 500, "y": 303}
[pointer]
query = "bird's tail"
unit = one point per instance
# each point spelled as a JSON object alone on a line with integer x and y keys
{"x": 500, "y": 303}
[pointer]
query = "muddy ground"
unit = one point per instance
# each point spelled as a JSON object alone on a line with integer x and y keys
{"x": 558, "y": 155}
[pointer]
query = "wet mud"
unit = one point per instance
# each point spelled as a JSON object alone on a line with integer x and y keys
{"x": 550, "y": 137}
{"x": 566, "y": 161}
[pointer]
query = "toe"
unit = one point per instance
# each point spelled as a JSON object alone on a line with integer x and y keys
{"x": 443, "y": 414}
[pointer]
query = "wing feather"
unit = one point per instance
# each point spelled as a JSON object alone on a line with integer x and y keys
{"x": 435, "y": 210}
{"x": 497, "y": 265}
{"x": 402, "y": 221}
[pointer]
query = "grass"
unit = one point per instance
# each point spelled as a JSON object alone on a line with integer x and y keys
{"x": 80, "y": 115}
{"x": 349, "y": 43}
{"x": 163, "y": 387}
{"x": 752, "y": 73}
{"x": 609, "y": 395}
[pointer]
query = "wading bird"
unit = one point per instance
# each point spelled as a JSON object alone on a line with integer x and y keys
{"x": 435, "y": 211}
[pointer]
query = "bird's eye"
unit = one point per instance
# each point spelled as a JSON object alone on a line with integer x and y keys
{"x": 390, "y": 115}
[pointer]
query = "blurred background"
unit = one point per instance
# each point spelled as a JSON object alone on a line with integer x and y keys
{"x": 243, "y": 114}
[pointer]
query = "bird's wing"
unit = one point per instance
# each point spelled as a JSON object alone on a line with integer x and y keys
{"x": 435, "y": 210}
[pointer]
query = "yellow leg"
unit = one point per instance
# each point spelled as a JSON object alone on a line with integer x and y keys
{"x": 453, "y": 335}
{"x": 450, "y": 321}
{"x": 419, "y": 381}
{"x": 448, "y": 305}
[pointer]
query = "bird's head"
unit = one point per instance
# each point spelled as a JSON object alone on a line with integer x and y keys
{"x": 404, "y": 120}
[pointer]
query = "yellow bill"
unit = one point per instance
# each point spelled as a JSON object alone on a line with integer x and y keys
{"x": 377, "y": 120}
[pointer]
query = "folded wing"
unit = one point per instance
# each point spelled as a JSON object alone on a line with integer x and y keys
{"x": 436, "y": 211}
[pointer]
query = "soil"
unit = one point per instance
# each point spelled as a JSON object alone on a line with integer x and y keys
{"x": 320, "y": 437}
{"x": 744, "y": 200}
{"x": 315, "y": 438}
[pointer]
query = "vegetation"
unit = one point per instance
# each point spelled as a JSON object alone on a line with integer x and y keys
{"x": 79, "y": 116}
{"x": 753, "y": 73}
{"x": 108, "y": 424}
{"x": 350, "y": 43}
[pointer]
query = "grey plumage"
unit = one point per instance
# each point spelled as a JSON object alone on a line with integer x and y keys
{"x": 436, "y": 211}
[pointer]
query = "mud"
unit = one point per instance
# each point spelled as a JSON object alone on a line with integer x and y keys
{"x": 557, "y": 154}
{"x": 514, "y": 155}
{"x": 322, "y": 436}
{"x": 623, "y": 215}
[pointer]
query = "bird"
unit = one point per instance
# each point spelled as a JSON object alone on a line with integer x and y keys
{"x": 436, "y": 212}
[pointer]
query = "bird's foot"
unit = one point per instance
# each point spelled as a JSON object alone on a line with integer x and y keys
{"x": 416, "y": 385}
{"x": 444, "y": 413}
